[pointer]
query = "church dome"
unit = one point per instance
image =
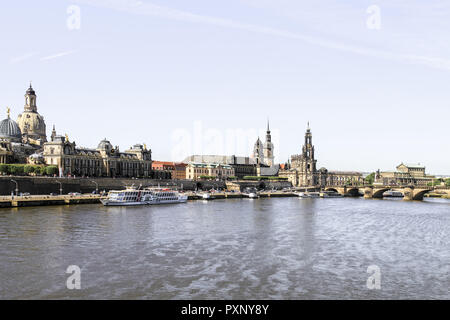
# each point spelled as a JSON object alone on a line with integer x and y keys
{"x": 9, "y": 129}
{"x": 105, "y": 145}
{"x": 31, "y": 90}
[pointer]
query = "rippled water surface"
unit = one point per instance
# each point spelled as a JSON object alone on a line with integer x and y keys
{"x": 285, "y": 248}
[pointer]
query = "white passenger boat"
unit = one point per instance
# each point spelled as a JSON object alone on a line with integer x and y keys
{"x": 147, "y": 196}
{"x": 308, "y": 194}
{"x": 313, "y": 194}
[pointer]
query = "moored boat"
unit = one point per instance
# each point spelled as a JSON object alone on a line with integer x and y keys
{"x": 147, "y": 196}
{"x": 393, "y": 194}
{"x": 206, "y": 196}
{"x": 308, "y": 194}
{"x": 331, "y": 194}
{"x": 253, "y": 195}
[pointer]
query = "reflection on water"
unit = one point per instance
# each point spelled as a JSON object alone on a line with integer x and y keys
{"x": 285, "y": 248}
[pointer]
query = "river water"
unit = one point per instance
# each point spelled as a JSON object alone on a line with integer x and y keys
{"x": 280, "y": 248}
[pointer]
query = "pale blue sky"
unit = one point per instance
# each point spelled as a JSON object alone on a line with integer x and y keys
{"x": 146, "y": 71}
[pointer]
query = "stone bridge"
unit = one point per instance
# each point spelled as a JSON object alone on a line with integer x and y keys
{"x": 376, "y": 192}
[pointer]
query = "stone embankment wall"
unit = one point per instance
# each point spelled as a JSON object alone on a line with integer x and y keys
{"x": 259, "y": 185}
{"x": 46, "y": 185}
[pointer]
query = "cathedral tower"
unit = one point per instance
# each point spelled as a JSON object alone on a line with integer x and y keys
{"x": 305, "y": 163}
{"x": 268, "y": 148}
{"x": 258, "y": 153}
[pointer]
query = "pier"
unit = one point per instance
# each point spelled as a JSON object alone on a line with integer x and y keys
{"x": 47, "y": 200}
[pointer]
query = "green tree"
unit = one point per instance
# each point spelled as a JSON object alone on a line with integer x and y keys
{"x": 4, "y": 168}
{"x": 29, "y": 169}
{"x": 51, "y": 170}
{"x": 447, "y": 182}
{"x": 16, "y": 169}
{"x": 42, "y": 170}
{"x": 370, "y": 179}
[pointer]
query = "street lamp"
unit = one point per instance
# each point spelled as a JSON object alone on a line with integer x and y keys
{"x": 96, "y": 186}
{"x": 60, "y": 187}
{"x": 17, "y": 187}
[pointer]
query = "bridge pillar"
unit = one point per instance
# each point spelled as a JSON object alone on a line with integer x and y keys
{"x": 408, "y": 193}
{"x": 368, "y": 192}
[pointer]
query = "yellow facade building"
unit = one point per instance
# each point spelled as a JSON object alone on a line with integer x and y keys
{"x": 195, "y": 171}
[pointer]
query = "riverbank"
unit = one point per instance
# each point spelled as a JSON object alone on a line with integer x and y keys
{"x": 49, "y": 200}
{"x": 48, "y": 185}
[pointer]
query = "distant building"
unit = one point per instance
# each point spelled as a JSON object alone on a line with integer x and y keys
{"x": 195, "y": 171}
{"x": 31, "y": 123}
{"x": 173, "y": 170}
{"x": 13, "y": 145}
{"x": 163, "y": 166}
{"x": 302, "y": 171}
{"x": 340, "y": 178}
{"x": 406, "y": 174}
{"x": 104, "y": 161}
{"x": 263, "y": 153}
{"x": 243, "y": 166}
{"x": 305, "y": 163}
{"x": 180, "y": 171}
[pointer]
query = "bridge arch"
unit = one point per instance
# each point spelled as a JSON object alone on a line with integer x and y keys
{"x": 378, "y": 193}
{"x": 353, "y": 192}
{"x": 332, "y": 190}
{"x": 419, "y": 195}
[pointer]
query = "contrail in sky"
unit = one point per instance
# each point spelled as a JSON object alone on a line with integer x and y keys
{"x": 142, "y": 8}
{"x": 57, "y": 55}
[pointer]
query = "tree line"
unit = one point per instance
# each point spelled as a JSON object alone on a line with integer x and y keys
{"x": 28, "y": 169}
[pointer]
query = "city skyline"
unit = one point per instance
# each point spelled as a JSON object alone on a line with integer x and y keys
{"x": 368, "y": 110}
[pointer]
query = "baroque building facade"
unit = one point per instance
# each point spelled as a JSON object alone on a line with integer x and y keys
{"x": 104, "y": 161}
{"x": 31, "y": 123}
{"x": 305, "y": 163}
{"x": 25, "y": 141}
{"x": 406, "y": 174}
{"x": 302, "y": 171}
{"x": 14, "y": 146}
{"x": 243, "y": 166}
{"x": 195, "y": 171}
